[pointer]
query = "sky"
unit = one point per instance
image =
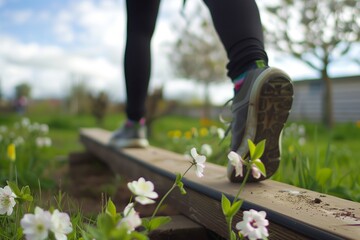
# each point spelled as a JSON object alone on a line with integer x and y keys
{"x": 54, "y": 44}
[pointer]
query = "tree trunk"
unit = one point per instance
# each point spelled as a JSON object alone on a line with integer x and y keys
{"x": 327, "y": 115}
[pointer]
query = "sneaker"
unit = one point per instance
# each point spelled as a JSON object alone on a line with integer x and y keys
{"x": 130, "y": 135}
{"x": 260, "y": 109}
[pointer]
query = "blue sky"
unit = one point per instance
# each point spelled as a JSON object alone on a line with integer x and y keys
{"x": 52, "y": 44}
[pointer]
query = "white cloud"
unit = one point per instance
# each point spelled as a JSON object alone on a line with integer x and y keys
{"x": 21, "y": 16}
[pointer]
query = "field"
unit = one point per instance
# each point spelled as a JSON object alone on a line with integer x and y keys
{"x": 313, "y": 157}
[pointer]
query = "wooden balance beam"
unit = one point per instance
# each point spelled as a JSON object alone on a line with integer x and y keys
{"x": 293, "y": 213}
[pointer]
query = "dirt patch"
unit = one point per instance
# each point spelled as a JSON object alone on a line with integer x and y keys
{"x": 88, "y": 182}
{"x": 317, "y": 205}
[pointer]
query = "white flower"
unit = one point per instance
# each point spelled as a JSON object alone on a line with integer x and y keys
{"x": 25, "y": 122}
{"x": 144, "y": 191}
{"x": 253, "y": 225}
{"x": 206, "y": 150}
{"x": 19, "y": 141}
{"x": 131, "y": 218}
{"x": 221, "y": 133}
{"x": 43, "y": 142}
{"x": 44, "y": 128}
{"x": 129, "y": 210}
{"x": 36, "y": 226}
{"x": 236, "y": 161}
{"x": 199, "y": 162}
{"x": 60, "y": 224}
{"x": 301, "y": 130}
{"x": 3, "y": 129}
{"x": 7, "y": 200}
{"x": 302, "y": 141}
{"x": 255, "y": 171}
{"x": 34, "y": 127}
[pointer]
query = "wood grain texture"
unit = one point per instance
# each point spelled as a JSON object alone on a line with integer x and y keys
{"x": 294, "y": 213}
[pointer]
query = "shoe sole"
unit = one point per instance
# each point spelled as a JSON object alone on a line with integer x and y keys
{"x": 130, "y": 143}
{"x": 269, "y": 107}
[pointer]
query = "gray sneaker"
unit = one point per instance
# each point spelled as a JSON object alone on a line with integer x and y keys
{"x": 130, "y": 135}
{"x": 260, "y": 109}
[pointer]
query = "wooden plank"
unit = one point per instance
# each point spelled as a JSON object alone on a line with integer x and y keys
{"x": 180, "y": 228}
{"x": 294, "y": 213}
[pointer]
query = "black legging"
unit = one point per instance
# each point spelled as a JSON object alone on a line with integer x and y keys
{"x": 236, "y": 21}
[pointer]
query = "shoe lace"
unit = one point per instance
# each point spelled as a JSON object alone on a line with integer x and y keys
{"x": 226, "y": 122}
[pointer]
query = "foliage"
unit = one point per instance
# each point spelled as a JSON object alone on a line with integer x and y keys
{"x": 316, "y": 159}
{"x": 22, "y": 90}
{"x": 99, "y": 106}
{"x": 78, "y": 100}
{"x": 21, "y": 146}
{"x": 18, "y": 219}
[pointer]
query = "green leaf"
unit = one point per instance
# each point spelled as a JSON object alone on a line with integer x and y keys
{"x": 323, "y": 175}
{"x": 111, "y": 209}
{"x": 252, "y": 148}
{"x": 120, "y": 233}
{"x": 178, "y": 178}
{"x": 181, "y": 188}
{"x": 256, "y": 151}
{"x": 27, "y": 197}
{"x": 225, "y": 205}
{"x": 157, "y": 222}
{"x": 137, "y": 235}
{"x": 233, "y": 235}
{"x": 14, "y": 188}
{"x": 259, "y": 150}
{"x": 25, "y": 190}
{"x": 260, "y": 165}
{"x": 235, "y": 208}
{"x": 105, "y": 223}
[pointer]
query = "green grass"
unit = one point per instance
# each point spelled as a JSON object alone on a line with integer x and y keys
{"x": 327, "y": 162}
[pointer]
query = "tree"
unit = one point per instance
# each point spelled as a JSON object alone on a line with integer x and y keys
{"x": 198, "y": 54}
{"x": 22, "y": 90}
{"x": 317, "y": 32}
{"x": 99, "y": 105}
{"x": 78, "y": 100}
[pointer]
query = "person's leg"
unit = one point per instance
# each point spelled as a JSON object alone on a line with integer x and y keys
{"x": 141, "y": 21}
{"x": 263, "y": 95}
{"x": 239, "y": 27}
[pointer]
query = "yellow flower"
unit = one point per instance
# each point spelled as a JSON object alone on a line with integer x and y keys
{"x": 188, "y": 135}
{"x": 174, "y": 134}
{"x": 291, "y": 149}
{"x": 204, "y": 132}
{"x": 358, "y": 124}
{"x": 177, "y": 134}
{"x": 11, "y": 152}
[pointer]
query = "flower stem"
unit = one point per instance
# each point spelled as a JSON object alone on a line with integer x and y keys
{"x": 168, "y": 193}
{"x": 162, "y": 200}
{"x": 248, "y": 169}
{"x": 229, "y": 220}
